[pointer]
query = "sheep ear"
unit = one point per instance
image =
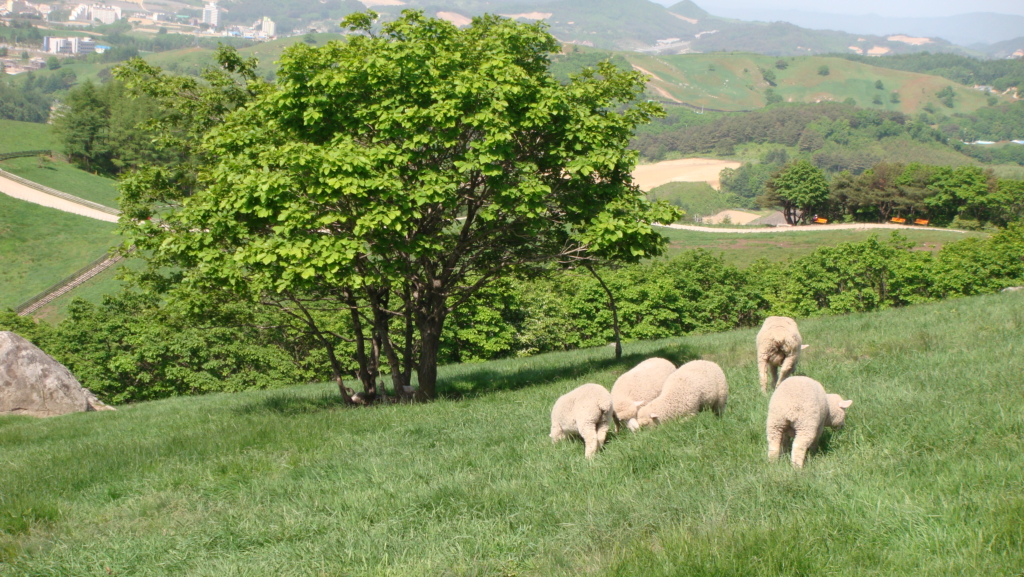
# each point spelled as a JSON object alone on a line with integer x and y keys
{"x": 654, "y": 417}
{"x": 802, "y": 347}
{"x": 637, "y": 403}
{"x": 845, "y": 404}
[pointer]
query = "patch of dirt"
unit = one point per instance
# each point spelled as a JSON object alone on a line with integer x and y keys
{"x": 648, "y": 176}
{"x": 455, "y": 18}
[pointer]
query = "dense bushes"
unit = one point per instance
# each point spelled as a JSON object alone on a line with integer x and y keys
{"x": 131, "y": 349}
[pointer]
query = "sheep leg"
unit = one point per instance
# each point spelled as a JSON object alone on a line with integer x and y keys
{"x": 766, "y": 371}
{"x": 602, "y": 432}
{"x": 788, "y": 366}
{"x": 774, "y": 445}
{"x": 590, "y": 439}
{"x": 557, "y": 434}
{"x": 801, "y": 444}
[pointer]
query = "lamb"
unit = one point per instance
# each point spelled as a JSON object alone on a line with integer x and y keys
{"x": 639, "y": 386}
{"x": 799, "y": 410}
{"x": 692, "y": 387}
{"x": 778, "y": 345}
{"x": 585, "y": 411}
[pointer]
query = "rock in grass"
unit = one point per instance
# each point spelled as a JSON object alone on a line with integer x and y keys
{"x": 33, "y": 383}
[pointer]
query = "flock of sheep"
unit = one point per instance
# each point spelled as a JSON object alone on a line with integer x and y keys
{"x": 656, "y": 391}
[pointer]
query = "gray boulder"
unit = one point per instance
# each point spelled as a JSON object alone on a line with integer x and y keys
{"x": 33, "y": 383}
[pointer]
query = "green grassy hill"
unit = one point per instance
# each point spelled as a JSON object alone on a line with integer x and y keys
{"x": 39, "y": 246}
{"x": 19, "y": 136}
{"x": 733, "y": 81}
{"x": 925, "y": 478}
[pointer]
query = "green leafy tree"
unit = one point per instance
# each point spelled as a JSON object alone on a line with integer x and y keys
{"x": 799, "y": 188}
{"x": 781, "y": 64}
{"x": 52, "y": 63}
{"x": 769, "y": 75}
{"x": 394, "y": 175}
{"x": 823, "y": 70}
{"x": 894, "y": 97}
{"x": 771, "y": 97}
{"x": 879, "y": 85}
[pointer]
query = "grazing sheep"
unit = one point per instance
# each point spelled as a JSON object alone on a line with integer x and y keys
{"x": 692, "y": 387}
{"x": 585, "y": 411}
{"x": 778, "y": 345}
{"x": 799, "y": 410}
{"x": 639, "y": 386}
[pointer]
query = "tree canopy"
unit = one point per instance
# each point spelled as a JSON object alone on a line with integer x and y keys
{"x": 395, "y": 174}
{"x": 799, "y": 188}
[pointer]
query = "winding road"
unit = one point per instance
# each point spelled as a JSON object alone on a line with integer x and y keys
{"x": 805, "y": 228}
{"x": 21, "y": 191}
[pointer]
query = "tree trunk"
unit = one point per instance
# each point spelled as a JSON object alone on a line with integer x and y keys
{"x": 426, "y": 370}
{"x": 615, "y": 311}
{"x": 367, "y": 371}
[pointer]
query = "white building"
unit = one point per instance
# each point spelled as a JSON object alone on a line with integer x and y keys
{"x": 70, "y": 45}
{"x": 89, "y": 13}
{"x": 268, "y": 27}
{"x": 211, "y": 15}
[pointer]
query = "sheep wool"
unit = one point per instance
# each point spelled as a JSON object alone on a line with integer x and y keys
{"x": 799, "y": 411}
{"x": 586, "y": 411}
{"x": 695, "y": 386}
{"x": 778, "y": 347}
{"x": 639, "y": 386}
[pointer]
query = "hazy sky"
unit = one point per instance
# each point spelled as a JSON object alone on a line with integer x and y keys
{"x": 892, "y": 8}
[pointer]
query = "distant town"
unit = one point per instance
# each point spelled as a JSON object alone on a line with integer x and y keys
{"x": 69, "y": 18}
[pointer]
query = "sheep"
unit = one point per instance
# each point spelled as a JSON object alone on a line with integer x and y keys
{"x": 778, "y": 345}
{"x": 637, "y": 387}
{"x": 799, "y": 410}
{"x": 585, "y": 411}
{"x": 692, "y": 387}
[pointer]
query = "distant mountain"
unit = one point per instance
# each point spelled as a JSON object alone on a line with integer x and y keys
{"x": 684, "y": 27}
{"x": 1004, "y": 49}
{"x": 962, "y": 29}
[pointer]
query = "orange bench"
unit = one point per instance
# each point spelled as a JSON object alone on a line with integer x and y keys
{"x": 898, "y": 220}
{"x": 820, "y": 221}
{"x": 921, "y": 221}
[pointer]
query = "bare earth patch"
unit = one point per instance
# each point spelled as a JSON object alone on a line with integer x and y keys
{"x": 690, "y": 20}
{"x": 529, "y": 16}
{"x": 372, "y": 3}
{"x": 878, "y": 50}
{"x": 455, "y": 18}
{"x": 648, "y": 176}
{"x": 916, "y": 41}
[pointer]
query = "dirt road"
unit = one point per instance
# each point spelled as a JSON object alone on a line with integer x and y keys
{"x": 807, "y": 228}
{"x": 29, "y": 194}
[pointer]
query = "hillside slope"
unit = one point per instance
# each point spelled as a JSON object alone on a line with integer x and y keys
{"x": 288, "y": 482}
{"x": 734, "y": 81}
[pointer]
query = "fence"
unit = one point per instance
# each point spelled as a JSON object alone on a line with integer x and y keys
{"x": 9, "y": 155}
{"x": 68, "y": 283}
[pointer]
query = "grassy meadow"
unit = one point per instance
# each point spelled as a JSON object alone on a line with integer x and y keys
{"x": 19, "y": 136}
{"x": 39, "y": 246}
{"x": 742, "y": 249}
{"x": 925, "y": 479}
{"x": 732, "y": 81}
{"x": 65, "y": 178}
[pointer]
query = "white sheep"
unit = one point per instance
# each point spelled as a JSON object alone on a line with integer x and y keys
{"x": 639, "y": 386}
{"x": 778, "y": 347}
{"x": 692, "y": 387}
{"x": 799, "y": 410}
{"x": 585, "y": 411}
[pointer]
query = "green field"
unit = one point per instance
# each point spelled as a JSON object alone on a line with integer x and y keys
{"x": 19, "y": 136}
{"x": 742, "y": 249}
{"x": 696, "y": 198}
{"x": 39, "y": 246}
{"x": 65, "y": 178}
{"x": 924, "y": 480}
{"x": 732, "y": 81}
{"x": 93, "y": 290}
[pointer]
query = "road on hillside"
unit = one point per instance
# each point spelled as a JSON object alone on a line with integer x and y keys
{"x": 804, "y": 228}
{"x": 28, "y": 194}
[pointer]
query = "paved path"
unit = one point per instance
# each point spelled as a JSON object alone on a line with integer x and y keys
{"x": 806, "y": 228}
{"x": 21, "y": 191}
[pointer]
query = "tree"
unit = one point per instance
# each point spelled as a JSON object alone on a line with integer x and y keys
{"x": 799, "y": 188}
{"x": 52, "y": 63}
{"x": 394, "y": 175}
{"x": 781, "y": 64}
{"x": 769, "y": 75}
{"x": 823, "y": 70}
{"x": 894, "y": 97}
{"x": 879, "y": 85}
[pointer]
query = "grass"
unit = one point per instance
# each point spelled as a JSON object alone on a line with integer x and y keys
{"x": 39, "y": 246}
{"x": 696, "y": 198}
{"x": 925, "y": 479}
{"x": 93, "y": 290}
{"x": 732, "y": 81}
{"x": 64, "y": 177}
{"x": 742, "y": 249}
{"x": 19, "y": 136}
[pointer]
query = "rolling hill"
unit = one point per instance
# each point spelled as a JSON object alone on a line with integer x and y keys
{"x": 923, "y": 479}
{"x": 734, "y": 81}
